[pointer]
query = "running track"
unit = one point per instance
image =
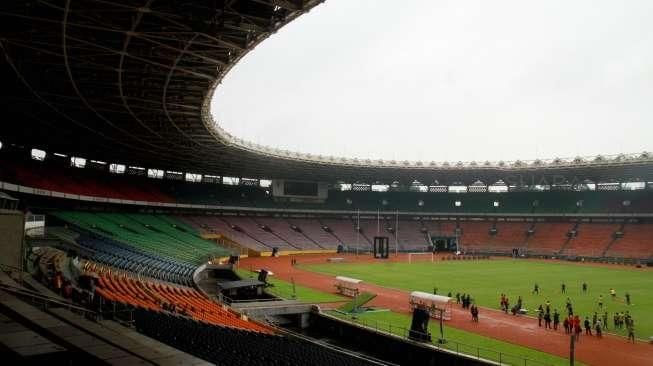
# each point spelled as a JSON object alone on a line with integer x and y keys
{"x": 610, "y": 350}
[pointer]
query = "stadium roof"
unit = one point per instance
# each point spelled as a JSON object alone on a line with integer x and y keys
{"x": 131, "y": 82}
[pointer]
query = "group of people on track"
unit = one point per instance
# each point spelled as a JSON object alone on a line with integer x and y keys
{"x": 465, "y": 300}
{"x": 573, "y": 323}
{"x": 505, "y": 305}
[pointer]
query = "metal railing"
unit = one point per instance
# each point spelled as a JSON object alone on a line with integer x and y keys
{"x": 451, "y": 346}
{"x": 46, "y": 302}
{"x": 228, "y": 300}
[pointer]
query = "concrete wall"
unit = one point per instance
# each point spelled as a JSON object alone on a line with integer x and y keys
{"x": 12, "y": 228}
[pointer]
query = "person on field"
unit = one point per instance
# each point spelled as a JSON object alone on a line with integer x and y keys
{"x": 600, "y": 303}
{"x": 540, "y": 315}
{"x": 588, "y": 326}
{"x": 565, "y": 323}
{"x": 556, "y": 319}
{"x": 577, "y": 327}
{"x": 457, "y": 297}
{"x": 627, "y": 318}
{"x": 514, "y": 310}
{"x": 570, "y": 310}
{"x": 547, "y": 306}
{"x": 605, "y": 320}
{"x": 584, "y": 287}
{"x": 563, "y": 288}
{"x": 595, "y": 317}
{"x": 631, "y": 332}
{"x": 536, "y": 289}
{"x": 474, "y": 311}
{"x": 627, "y": 295}
{"x": 599, "y": 329}
{"x": 547, "y": 320}
{"x": 613, "y": 294}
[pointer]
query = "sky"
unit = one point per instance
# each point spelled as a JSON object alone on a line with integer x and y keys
{"x": 460, "y": 80}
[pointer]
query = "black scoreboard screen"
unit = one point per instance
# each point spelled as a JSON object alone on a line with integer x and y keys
{"x": 291, "y": 188}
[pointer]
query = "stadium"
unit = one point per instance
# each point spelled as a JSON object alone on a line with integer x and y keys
{"x": 138, "y": 230}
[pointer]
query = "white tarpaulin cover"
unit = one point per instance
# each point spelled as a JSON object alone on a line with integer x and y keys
{"x": 437, "y": 299}
{"x": 348, "y": 279}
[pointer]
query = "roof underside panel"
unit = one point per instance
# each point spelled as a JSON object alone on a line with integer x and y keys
{"x": 127, "y": 81}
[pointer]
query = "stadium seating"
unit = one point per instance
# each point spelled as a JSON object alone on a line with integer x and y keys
{"x": 637, "y": 242}
{"x": 165, "y": 297}
{"x": 228, "y": 346}
{"x": 81, "y": 181}
{"x": 88, "y": 181}
{"x": 444, "y": 228}
{"x": 154, "y": 234}
{"x": 410, "y": 236}
{"x": 253, "y": 229}
{"x": 312, "y": 228}
{"x": 475, "y": 235}
{"x": 122, "y": 256}
{"x": 509, "y": 235}
{"x": 345, "y": 231}
{"x": 219, "y": 225}
{"x": 371, "y": 228}
{"x": 283, "y": 230}
{"x": 591, "y": 240}
{"x": 173, "y": 245}
{"x": 548, "y": 238}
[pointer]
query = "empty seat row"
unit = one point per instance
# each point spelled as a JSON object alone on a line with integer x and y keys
{"x": 228, "y": 346}
{"x": 158, "y": 296}
{"x": 157, "y": 234}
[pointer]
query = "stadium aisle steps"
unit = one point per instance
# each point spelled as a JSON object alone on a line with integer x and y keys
{"x": 312, "y": 228}
{"x": 637, "y": 242}
{"x": 591, "y": 239}
{"x": 71, "y": 337}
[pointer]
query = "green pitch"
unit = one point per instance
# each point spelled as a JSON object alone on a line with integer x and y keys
{"x": 485, "y": 280}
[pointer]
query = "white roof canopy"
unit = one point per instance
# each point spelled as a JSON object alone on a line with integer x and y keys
{"x": 348, "y": 279}
{"x": 430, "y": 297}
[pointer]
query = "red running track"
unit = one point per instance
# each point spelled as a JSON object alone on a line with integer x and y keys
{"x": 609, "y": 350}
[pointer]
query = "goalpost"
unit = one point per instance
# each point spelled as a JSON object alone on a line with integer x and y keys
{"x": 421, "y": 257}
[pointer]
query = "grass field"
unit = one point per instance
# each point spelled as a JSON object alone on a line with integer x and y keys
{"x": 284, "y": 290}
{"x": 486, "y": 280}
{"x": 461, "y": 341}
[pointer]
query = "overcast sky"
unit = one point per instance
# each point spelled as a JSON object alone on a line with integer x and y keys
{"x": 450, "y": 80}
